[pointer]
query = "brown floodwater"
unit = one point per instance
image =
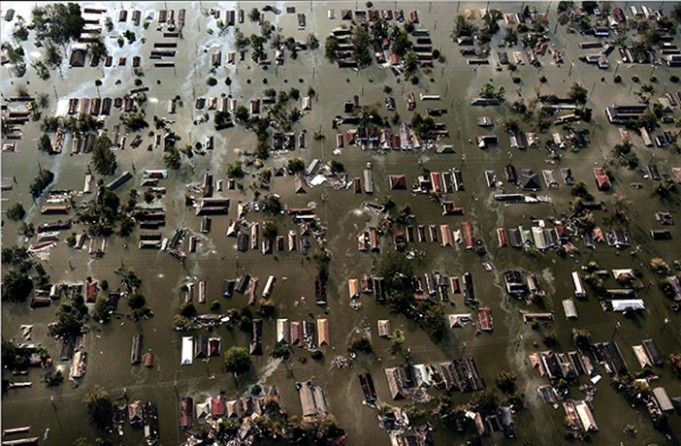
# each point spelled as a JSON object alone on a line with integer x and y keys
{"x": 506, "y": 347}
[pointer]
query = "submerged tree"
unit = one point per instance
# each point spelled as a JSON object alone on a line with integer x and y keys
{"x": 100, "y": 407}
{"x": 103, "y": 158}
{"x": 237, "y": 360}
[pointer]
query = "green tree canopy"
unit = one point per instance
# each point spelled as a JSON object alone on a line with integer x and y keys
{"x": 237, "y": 360}
{"x": 103, "y": 158}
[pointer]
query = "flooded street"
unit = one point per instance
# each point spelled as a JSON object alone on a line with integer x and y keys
{"x": 62, "y": 410}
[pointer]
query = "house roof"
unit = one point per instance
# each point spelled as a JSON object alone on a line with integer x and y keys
{"x": 529, "y": 180}
{"x": 397, "y": 182}
{"x": 299, "y": 185}
{"x": 323, "y": 332}
{"x": 392, "y": 375}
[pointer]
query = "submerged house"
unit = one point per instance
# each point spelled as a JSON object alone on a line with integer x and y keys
{"x": 529, "y": 181}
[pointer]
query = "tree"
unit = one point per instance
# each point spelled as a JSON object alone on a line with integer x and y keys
{"x": 272, "y": 204}
{"x": 241, "y": 113}
{"x": 674, "y": 360}
{"x": 485, "y": 401}
{"x": 98, "y": 83}
{"x": 269, "y": 229}
{"x": 40, "y": 183}
{"x": 265, "y": 308}
{"x": 401, "y": 43}
{"x": 581, "y": 338}
{"x": 188, "y": 309}
{"x": 397, "y": 337}
{"x": 312, "y": 41}
{"x": 360, "y": 343}
{"x": 100, "y": 407}
{"x": 15, "y": 254}
{"x": 103, "y": 158}
{"x": 101, "y": 310}
{"x": 463, "y": 27}
{"x": 16, "y": 286}
{"x": 618, "y": 216}
{"x": 411, "y": 62}
{"x": 254, "y": 15}
{"x": 505, "y": 381}
{"x": 53, "y": 56}
{"x": 282, "y": 351}
{"x": 331, "y": 45}
{"x": 579, "y": 189}
{"x": 237, "y": 360}
{"x": 578, "y": 93}
{"x": 137, "y": 301}
{"x": 337, "y": 167}
{"x": 70, "y": 318}
{"x": 664, "y": 189}
{"x": 16, "y": 212}
{"x": 134, "y": 122}
{"x": 296, "y": 165}
{"x": 97, "y": 48}
{"x": 488, "y": 91}
{"x": 171, "y": 158}
{"x": 45, "y": 144}
{"x": 361, "y": 43}
{"x": 235, "y": 170}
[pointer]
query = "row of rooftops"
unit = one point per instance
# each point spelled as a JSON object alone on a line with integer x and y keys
{"x": 458, "y": 375}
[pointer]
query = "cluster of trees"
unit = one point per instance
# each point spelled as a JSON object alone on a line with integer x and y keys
{"x": 398, "y": 272}
{"x": 71, "y": 318}
{"x": 237, "y": 360}
{"x": 423, "y": 127}
{"x": 22, "y": 274}
{"x": 103, "y": 158}
{"x": 40, "y": 183}
{"x": 58, "y": 22}
{"x": 360, "y": 343}
{"x": 83, "y": 124}
{"x": 277, "y": 427}
{"x": 489, "y": 91}
{"x": 625, "y": 157}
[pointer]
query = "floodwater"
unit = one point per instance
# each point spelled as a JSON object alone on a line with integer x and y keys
{"x": 506, "y": 348}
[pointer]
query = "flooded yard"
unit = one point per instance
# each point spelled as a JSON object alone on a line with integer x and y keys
{"x": 63, "y": 413}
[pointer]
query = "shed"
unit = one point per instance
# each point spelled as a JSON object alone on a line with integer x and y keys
{"x": 384, "y": 330}
{"x": 663, "y": 399}
{"x": 570, "y": 309}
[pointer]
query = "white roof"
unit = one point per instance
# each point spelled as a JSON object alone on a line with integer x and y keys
{"x": 626, "y": 304}
{"x": 569, "y": 308}
{"x": 187, "y": 350}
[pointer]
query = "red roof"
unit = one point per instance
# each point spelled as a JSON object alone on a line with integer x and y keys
{"x": 501, "y": 235}
{"x": 485, "y": 317}
{"x": 454, "y": 284}
{"x": 217, "y": 406}
{"x": 186, "y": 412}
{"x": 91, "y": 292}
{"x": 602, "y": 180}
{"x": 468, "y": 235}
{"x": 436, "y": 178}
